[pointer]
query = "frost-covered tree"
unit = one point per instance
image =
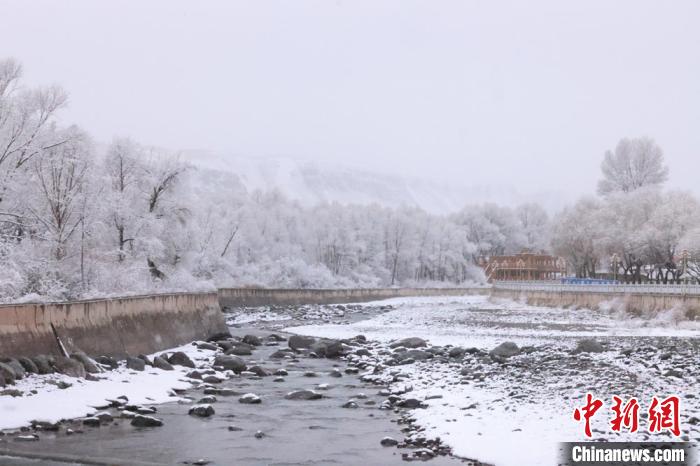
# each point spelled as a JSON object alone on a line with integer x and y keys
{"x": 492, "y": 229}
{"x": 124, "y": 170}
{"x": 576, "y": 236}
{"x": 534, "y": 225}
{"x": 635, "y": 163}
{"x": 61, "y": 176}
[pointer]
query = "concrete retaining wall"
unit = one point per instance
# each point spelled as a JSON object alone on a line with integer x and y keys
{"x": 114, "y": 327}
{"x": 242, "y": 297}
{"x": 632, "y": 302}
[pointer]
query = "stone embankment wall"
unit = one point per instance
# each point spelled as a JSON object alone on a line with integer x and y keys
{"x": 112, "y": 327}
{"x": 242, "y": 297}
{"x": 146, "y": 324}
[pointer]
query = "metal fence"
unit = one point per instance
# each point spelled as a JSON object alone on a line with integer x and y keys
{"x": 683, "y": 289}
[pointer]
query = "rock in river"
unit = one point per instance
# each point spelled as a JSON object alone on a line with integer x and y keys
{"x": 146, "y": 421}
{"x": 250, "y": 399}
{"x": 388, "y": 442}
{"x": 297, "y": 342}
{"x": 252, "y": 340}
{"x": 202, "y": 411}
{"x": 303, "y": 395}
{"x": 233, "y": 363}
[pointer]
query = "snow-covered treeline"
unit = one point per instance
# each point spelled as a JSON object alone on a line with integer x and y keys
{"x": 634, "y": 230}
{"x": 81, "y": 220}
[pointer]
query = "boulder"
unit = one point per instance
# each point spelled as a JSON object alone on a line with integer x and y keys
{"x": 280, "y": 354}
{"x": 46, "y": 426}
{"x": 212, "y": 379}
{"x": 16, "y": 367}
{"x": 303, "y": 395}
{"x": 456, "y": 352}
{"x": 136, "y": 364}
{"x": 202, "y": 411}
{"x": 412, "y": 342}
{"x": 224, "y": 344}
{"x": 260, "y": 371}
{"x": 145, "y": 421}
{"x": 410, "y": 403}
{"x": 159, "y": 362}
{"x": 350, "y": 404}
{"x": 107, "y": 361}
{"x": 239, "y": 350}
{"x": 232, "y": 363}
{"x": 388, "y": 442}
{"x": 179, "y": 358}
{"x": 589, "y": 346}
{"x": 69, "y": 367}
{"x": 252, "y": 340}
{"x": 88, "y": 363}
{"x": 205, "y": 345}
{"x": 250, "y": 399}
{"x": 92, "y": 422}
{"x": 505, "y": 350}
{"x": 334, "y": 349}
{"x": 297, "y": 342}
{"x": 104, "y": 417}
{"x": 28, "y": 365}
{"x": 328, "y": 348}
{"x": 7, "y": 374}
{"x": 44, "y": 364}
{"x": 145, "y": 359}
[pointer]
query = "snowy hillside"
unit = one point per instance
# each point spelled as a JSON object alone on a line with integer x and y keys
{"x": 313, "y": 182}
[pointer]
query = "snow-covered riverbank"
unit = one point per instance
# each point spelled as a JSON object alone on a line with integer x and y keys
{"x": 53, "y": 397}
{"x": 517, "y": 410}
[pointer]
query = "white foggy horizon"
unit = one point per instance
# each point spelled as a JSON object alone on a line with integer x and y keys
{"x": 501, "y": 94}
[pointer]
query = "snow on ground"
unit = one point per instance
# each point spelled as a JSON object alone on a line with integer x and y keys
{"x": 51, "y": 404}
{"x": 247, "y": 315}
{"x": 517, "y": 413}
{"x": 477, "y": 321}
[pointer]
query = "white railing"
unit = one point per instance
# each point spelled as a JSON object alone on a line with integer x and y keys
{"x": 683, "y": 289}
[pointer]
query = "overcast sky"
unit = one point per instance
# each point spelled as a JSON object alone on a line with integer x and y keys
{"x": 523, "y": 93}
